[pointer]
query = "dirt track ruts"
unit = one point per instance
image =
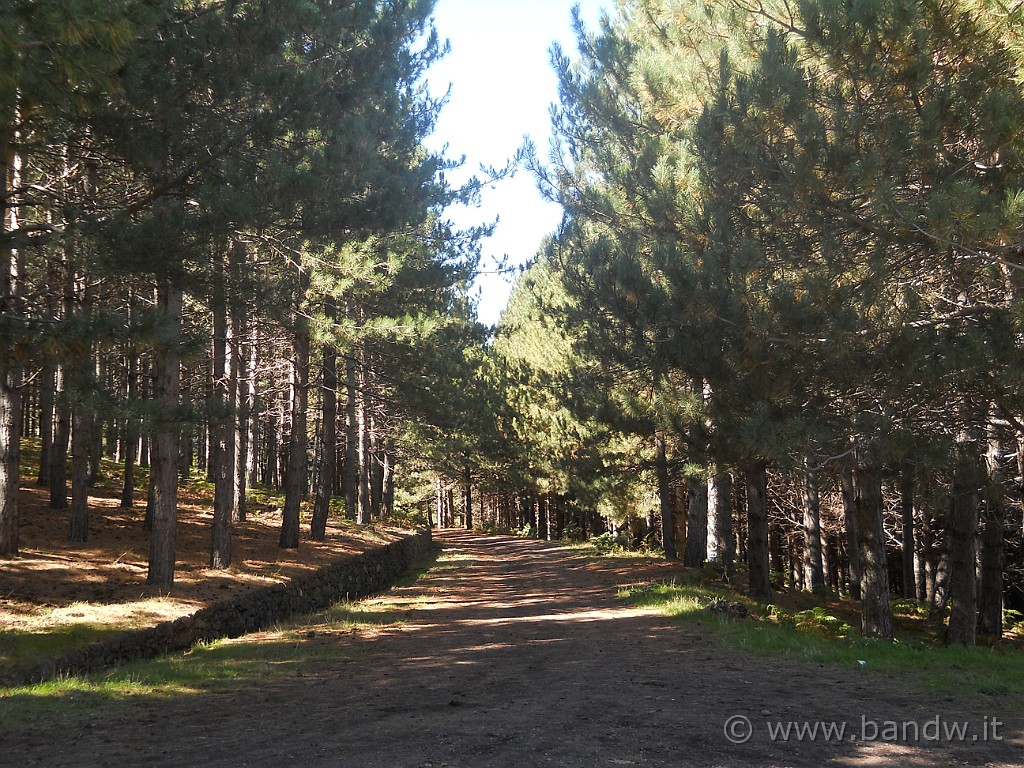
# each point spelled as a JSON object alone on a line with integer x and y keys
{"x": 524, "y": 656}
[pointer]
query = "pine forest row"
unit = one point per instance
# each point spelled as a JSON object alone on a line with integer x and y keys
{"x": 780, "y": 328}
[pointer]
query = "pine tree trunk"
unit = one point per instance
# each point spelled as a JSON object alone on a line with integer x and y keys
{"x": 814, "y": 569}
{"x": 696, "y": 523}
{"x": 240, "y": 384}
{"x": 252, "y": 413}
{"x": 131, "y": 432}
{"x": 776, "y": 549}
{"x": 725, "y": 542}
{"x": 10, "y": 450}
{"x": 375, "y": 470}
{"x": 909, "y": 537}
{"x": 389, "y": 480}
{"x": 352, "y": 442}
{"x": 439, "y": 502}
{"x": 963, "y": 581}
{"x": 849, "y": 493}
{"x": 82, "y": 419}
{"x": 328, "y": 456}
{"x": 993, "y": 545}
{"x": 10, "y": 372}
{"x": 757, "y": 531}
{"x": 295, "y": 485}
{"x": 924, "y": 541}
{"x": 222, "y": 431}
{"x": 467, "y": 484}
{"x": 47, "y": 388}
{"x": 94, "y": 419}
{"x": 163, "y": 464}
{"x": 363, "y": 450}
{"x": 59, "y": 448}
{"x": 78, "y": 528}
{"x": 665, "y": 499}
{"x": 876, "y": 618}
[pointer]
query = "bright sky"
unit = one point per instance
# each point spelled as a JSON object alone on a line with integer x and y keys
{"x": 502, "y": 84}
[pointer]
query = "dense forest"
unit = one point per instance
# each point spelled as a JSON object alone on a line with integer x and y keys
{"x": 779, "y": 329}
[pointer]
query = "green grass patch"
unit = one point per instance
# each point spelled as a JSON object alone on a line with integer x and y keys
{"x": 21, "y": 648}
{"x": 818, "y": 634}
{"x": 291, "y": 649}
{"x": 608, "y": 546}
{"x": 221, "y": 665}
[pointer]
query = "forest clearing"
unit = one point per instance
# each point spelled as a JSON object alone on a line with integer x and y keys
{"x": 509, "y": 652}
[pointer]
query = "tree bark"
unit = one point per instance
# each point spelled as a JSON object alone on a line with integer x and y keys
{"x": 82, "y": 417}
{"x": 352, "y": 442}
{"x": 59, "y": 448}
{"x": 329, "y": 438}
{"x": 295, "y": 486}
{"x": 909, "y": 536}
{"x": 993, "y": 545}
{"x": 963, "y": 580}
{"x": 757, "y": 531}
{"x": 696, "y": 523}
{"x": 222, "y": 429}
{"x": 665, "y": 497}
{"x": 131, "y": 432}
{"x": 375, "y": 465}
{"x": 467, "y": 484}
{"x": 47, "y": 389}
{"x": 725, "y": 542}
{"x": 439, "y": 502}
{"x": 240, "y": 383}
{"x": 814, "y": 569}
{"x": 389, "y": 480}
{"x": 876, "y": 618}
{"x": 852, "y": 529}
{"x": 163, "y": 469}
{"x": 10, "y": 372}
{"x": 78, "y": 527}
{"x": 363, "y": 449}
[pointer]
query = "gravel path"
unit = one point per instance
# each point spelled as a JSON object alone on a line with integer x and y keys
{"x": 520, "y": 654}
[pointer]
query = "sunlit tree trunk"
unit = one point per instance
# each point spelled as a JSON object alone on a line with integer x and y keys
{"x": 242, "y": 386}
{"x": 352, "y": 441}
{"x": 295, "y": 487}
{"x": 467, "y": 485}
{"x": 993, "y": 546}
{"x": 10, "y": 373}
{"x": 814, "y": 569}
{"x": 329, "y": 454}
{"x": 222, "y": 426}
{"x": 725, "y": 540}
{"x": 696, "y": 522}
{"x": 909, "y": 532}
{"x": 851, "y": 528}
{"x": 876, "y": 618}
{"x": 163, "y": 464}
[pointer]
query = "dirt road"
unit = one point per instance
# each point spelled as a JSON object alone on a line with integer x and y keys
{"x": 524, "y": 656}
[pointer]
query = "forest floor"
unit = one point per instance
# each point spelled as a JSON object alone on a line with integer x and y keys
{"x": 64, "y": 593}
{"x": 523, "y": 653}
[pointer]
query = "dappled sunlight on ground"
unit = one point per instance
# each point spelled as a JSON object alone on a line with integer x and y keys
{"x": 508, "y": 653}
{"x": 54, "y": 582}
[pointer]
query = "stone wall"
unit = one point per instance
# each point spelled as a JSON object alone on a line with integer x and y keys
{"x": 348, "y": 579}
